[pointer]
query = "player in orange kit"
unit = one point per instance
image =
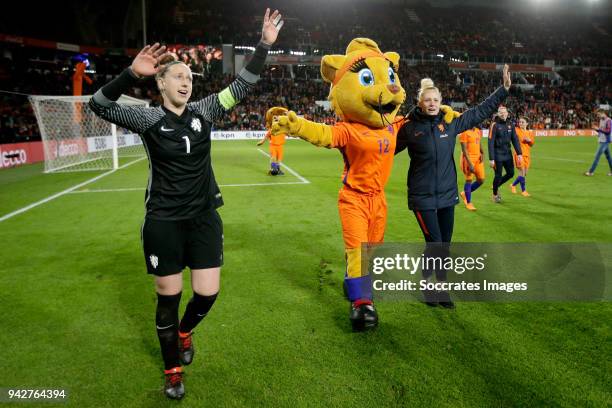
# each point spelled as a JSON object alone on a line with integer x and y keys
{"x": 526, "y": 139}
{"x": 472, "y": 164}
{"x": 276, "y": 141}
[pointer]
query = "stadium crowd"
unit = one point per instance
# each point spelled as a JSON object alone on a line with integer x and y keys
{"x": 519, "y": 36}
{"x": 564, "y": 99}
{"x": 567, "y": 102}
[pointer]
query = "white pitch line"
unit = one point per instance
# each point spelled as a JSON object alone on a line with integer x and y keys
{"x": 264, "y": 184}
{"x": 289, "y": 169}
{"x": 106, "y": 190}
{"x": 61, "y": 193}
{"x": 73, "y": 164}
{"x": 561, "y": 159}
{"x": 117, "y": 190}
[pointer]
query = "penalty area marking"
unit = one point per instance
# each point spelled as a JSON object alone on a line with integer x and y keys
{"x": 64, "y": 192}
{"x": 302, "y": 179}
{"x": 117, "y": 190}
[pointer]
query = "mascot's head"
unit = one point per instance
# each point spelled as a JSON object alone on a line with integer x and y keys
{"x": 365, "y": 87}
{"x": 272, "y": 114}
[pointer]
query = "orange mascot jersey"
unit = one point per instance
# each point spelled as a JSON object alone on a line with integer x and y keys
{"x": 368, "y": 159}
{"x": 524, "y": 135}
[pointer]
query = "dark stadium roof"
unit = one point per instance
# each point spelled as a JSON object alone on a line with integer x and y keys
{"x": 118, "y": 22}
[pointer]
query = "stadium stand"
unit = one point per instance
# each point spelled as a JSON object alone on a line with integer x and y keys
{"x": 563, "y": 98}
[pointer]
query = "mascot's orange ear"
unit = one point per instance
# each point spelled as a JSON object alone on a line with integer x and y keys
{"x": 394, "y": 58}
{"x": 329, "y": 65}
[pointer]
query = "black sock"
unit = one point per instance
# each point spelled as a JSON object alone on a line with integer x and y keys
{"x": 166, "y": 318}
{"x": 197, "y": 308}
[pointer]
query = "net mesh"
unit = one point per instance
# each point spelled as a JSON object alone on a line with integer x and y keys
{"x": 75, "y": 139}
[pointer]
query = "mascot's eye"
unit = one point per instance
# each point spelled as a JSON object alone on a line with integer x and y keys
{"x": 366, "y": 78}
{"x": 391, "y": 75}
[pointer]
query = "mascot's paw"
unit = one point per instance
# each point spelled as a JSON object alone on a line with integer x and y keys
{"x": 287, "y": 124}
{"x": 449, "y": 113}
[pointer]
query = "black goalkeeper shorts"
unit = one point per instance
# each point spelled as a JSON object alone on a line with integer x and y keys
{"x": 170, "y": 246}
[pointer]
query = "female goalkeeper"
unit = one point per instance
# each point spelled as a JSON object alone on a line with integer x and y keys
{"x": 182, "y": 227}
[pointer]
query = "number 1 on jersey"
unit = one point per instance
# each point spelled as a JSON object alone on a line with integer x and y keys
{"x": 188, "y": 144}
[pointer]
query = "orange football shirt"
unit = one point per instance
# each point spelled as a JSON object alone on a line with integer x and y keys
{"x": 522, "y": 135}
{"x": 472, "y": 139}
{"x": 277, "y": 140}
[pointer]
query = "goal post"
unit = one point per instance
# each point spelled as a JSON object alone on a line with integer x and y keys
{"x": 75, "y": 139}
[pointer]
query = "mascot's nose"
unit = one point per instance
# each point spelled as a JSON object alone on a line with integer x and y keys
{"x": 393, "y": 88}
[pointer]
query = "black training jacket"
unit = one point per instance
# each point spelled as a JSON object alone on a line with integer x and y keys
{"x": 432, "y": 178}
{"x": 501, "y": 134}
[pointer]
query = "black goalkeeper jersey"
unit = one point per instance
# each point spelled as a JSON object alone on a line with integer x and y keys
{"x": 181, "y": 184}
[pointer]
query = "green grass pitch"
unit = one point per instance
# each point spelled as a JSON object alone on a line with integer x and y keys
{"x": 77, "y": 308}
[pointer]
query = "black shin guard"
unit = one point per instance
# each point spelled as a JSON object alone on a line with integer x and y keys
{"x": 197, "y": 308}
{"x": 166, "y": 318}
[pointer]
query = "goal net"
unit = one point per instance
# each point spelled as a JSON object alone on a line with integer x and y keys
{"x": 75, "y": 139}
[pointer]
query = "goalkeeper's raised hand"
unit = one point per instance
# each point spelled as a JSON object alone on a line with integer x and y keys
{"x": 271, "y": 26}
{"x": 147, "y": 61}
